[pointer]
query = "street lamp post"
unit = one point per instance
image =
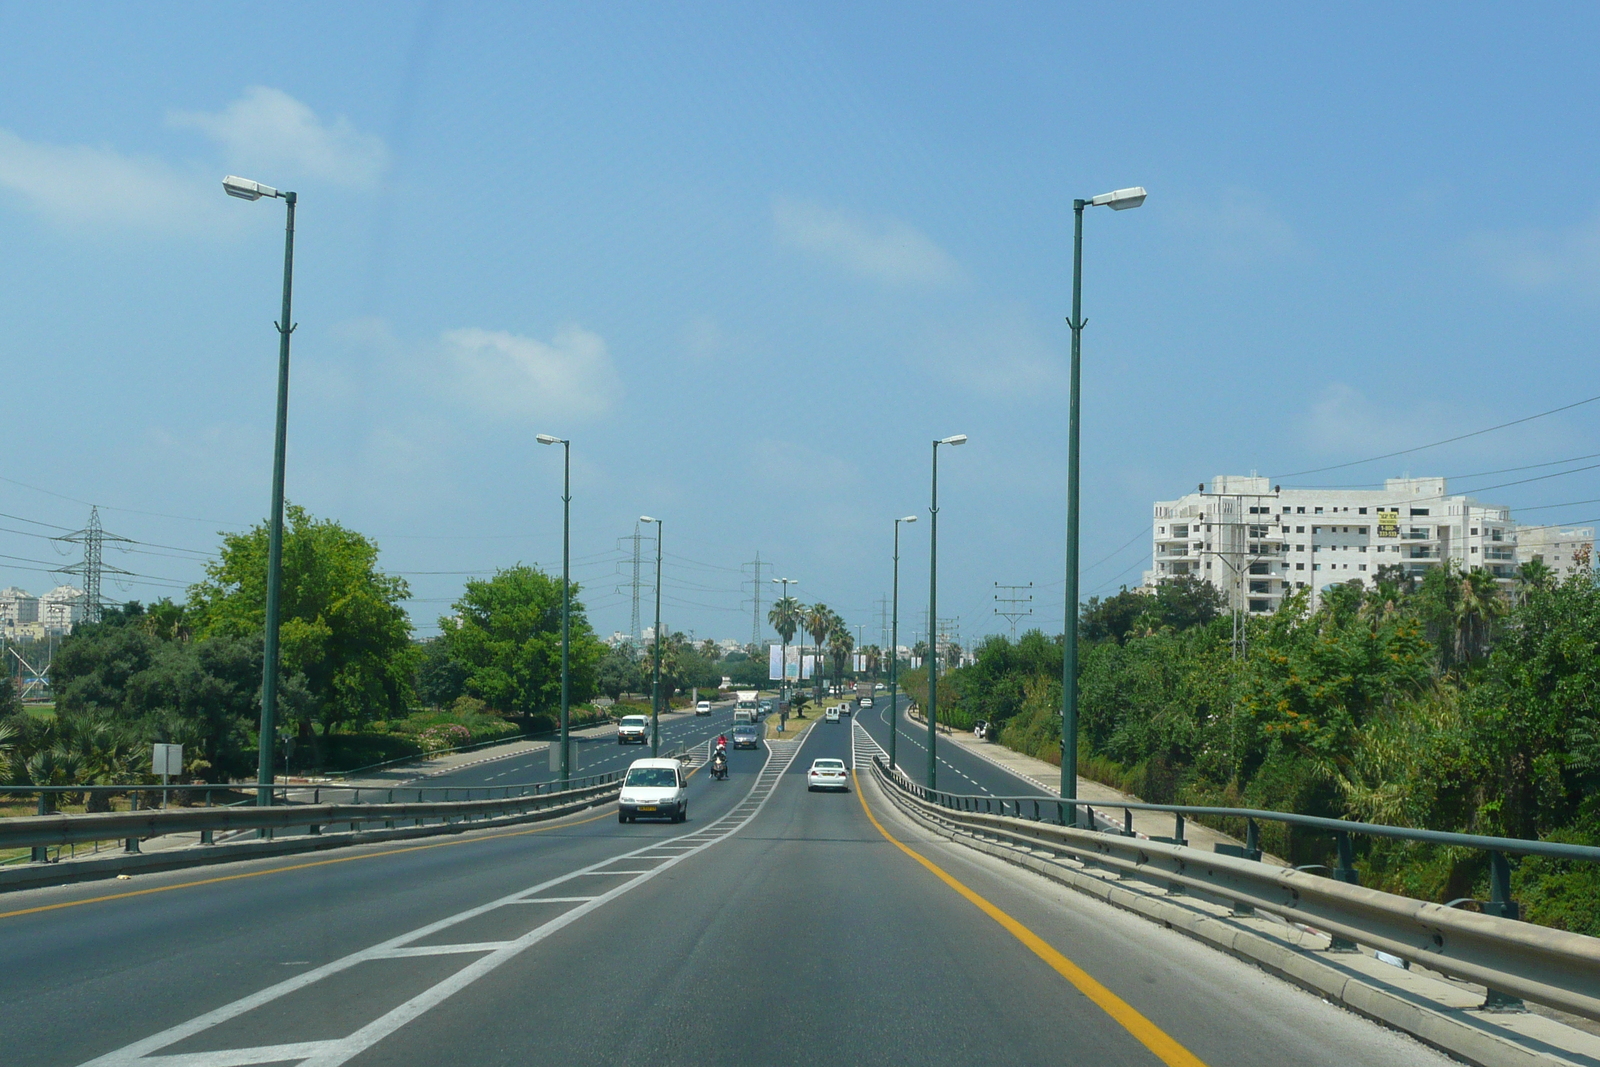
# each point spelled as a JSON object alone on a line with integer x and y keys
{"x": 566, "y": 598}
{"x": 245, "y": 189}
{"x": 933, "y": 613}
{"x": 655, "y": 684}
{"x": 1119, "y": 200}
{"x": 783, "y": 651}
{"x": 894, "y": 646}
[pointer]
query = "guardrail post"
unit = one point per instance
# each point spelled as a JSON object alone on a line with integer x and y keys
{"x": 1177, "y": 830}
{"x": 1127, "y": 822}
{"x": 1088, "y": 817}
{"x": 41, "y": 853}
{"x": 1035, "y": 811}
{"x": 1252, "y": 840}
{"x": 1500, "y": 902}
{"x": 1345, "y": 872}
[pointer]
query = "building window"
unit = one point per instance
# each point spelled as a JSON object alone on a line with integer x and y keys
{"x": 1316, "y": 566}
{"x": 1299, "y": 566}
{"x": 1362, "y": 530}
{"x": 1259, "y": 568}
{"x": 1474, "y": 531}
{"x": 1299, "y": 511}
{"x": 1261, "y": 587}
{"x": 1259, "y": 605}
{"x": 1474, "y": 550}
{"x": 1496, "y": 534}
{"x": 1316, "y": 511}
{"x": 1361, "y": 511}
{"x": 1419, "y": 511}
{"x": 1361, "y": 548}
{"x": 1363, "y": 566}
{"x": 1258, "y": 531}
{"x": 1299, "y": 548}
{"x": 1316, "y": 548}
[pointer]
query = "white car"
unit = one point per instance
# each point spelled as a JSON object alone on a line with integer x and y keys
{"x": 827, "y": 774}
{"x": 866, "y": 702}
{"x": 654, "y": 789}
{"x": 703, "y": 708}
{"x": 633, "y": 730}
{"x": 832, "y": 714}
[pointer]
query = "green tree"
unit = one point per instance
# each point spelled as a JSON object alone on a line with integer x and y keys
{"x": 620, "y": 672}
{"x": 344, "y": 629}
{"x": 441, "y": 678}
{"x": 507, "y": 633}
{"x": 817, "y": 620}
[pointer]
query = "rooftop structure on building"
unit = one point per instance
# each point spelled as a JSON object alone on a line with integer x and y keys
{"x": 1258, "y": 542}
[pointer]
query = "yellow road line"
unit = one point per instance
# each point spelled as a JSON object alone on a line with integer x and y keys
{"x": 293, "y": 867}
{"x": 1148, "y": 1033}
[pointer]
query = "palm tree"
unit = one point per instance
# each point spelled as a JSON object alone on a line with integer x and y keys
{"x": 785, "y": 618}
{"x": 1532, "y": 576}
{"x": 1476, "y": 610}
{"x": 920, "y": 650}
{"x": 818, "y": 621}
{"x": 840, "y": 645}
{"x": 874, "y": 656}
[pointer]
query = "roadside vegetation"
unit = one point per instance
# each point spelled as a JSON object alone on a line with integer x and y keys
{"x": 1441, "y": 704}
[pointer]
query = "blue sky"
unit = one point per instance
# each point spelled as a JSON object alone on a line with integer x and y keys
{"x": 753, "y": 258}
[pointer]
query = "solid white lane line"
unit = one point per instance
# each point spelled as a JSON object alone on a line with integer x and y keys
{"x": 552, "y": 900}
{"x": 442, "y": 950}
{"x": 336, "y": 1052}
{"x": 240, "y": 1057}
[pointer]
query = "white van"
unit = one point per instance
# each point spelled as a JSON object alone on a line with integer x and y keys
{"x": 743, "y": 715}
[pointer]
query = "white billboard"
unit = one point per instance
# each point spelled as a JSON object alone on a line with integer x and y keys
{"x": 793, "y": 668}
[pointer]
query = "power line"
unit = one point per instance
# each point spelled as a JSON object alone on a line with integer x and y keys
{"x": 1446, "y": 441}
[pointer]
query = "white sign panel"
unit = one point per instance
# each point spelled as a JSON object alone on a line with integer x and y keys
{"x": 793, "y": 668}
{"x": 166, "y": 759}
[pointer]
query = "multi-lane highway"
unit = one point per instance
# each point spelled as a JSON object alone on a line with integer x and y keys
{"x": 959, "y": 770}
{"x": 776, "y": 927}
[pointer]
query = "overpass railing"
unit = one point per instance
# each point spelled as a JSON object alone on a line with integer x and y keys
{"x": 1513, "y": 960}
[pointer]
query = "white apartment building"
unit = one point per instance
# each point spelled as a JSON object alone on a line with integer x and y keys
{"x": 1258, "y": 542}
{"x": 18, "y": 607}
{"x": 1558, "y": 547}
{"x": 61, "y": 608}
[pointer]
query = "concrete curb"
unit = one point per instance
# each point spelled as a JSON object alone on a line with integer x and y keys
{"x": 38, "y": 875}
{"x": 1462, "y": 1034}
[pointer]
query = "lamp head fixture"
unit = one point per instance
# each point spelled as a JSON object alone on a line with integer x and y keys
{"x": 646, "y": 518}
{"x": 1120, "y": 199}
{"x": 908, "y": 518}
{"x": 957, "y": 439}
{"x": 546, "y": 439}
{"x": 245, "y": 189}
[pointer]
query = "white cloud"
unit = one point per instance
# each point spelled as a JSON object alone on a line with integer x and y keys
{"x": 271, "y": 132}
{"x": 1239, "y": 228}
{"x": 503, "y": 374}
{"x": 97, "y": 185}
{"x": 886, "y": 250}
{"x": 1533, "y": 259}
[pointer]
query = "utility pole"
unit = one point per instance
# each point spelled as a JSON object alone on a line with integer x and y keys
{"x": 1012, "y": 603}
{"x": 755, "y": 613}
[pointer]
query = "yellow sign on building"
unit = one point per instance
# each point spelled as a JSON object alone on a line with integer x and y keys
{"x": 1388, "y": 524}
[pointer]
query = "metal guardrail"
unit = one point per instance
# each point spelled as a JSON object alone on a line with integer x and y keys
{"x": 1511, "y": 959}
{"x": 41, "y": 831}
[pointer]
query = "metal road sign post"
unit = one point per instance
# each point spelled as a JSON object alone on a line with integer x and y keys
{"x": 166, "y": 760}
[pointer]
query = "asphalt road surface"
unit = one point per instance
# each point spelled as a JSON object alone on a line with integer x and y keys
{"x": 959, "y": 770}
{"x": 776, "y": 927}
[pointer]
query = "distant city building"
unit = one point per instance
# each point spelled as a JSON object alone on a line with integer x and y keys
{"x": 1258, "y": 543}
{"x": 61, "y": 608}
{"x": 1557, "y": 547}
{"x": 17, "y": 607}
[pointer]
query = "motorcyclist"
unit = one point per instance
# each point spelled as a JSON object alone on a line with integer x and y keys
{"x": 719, "y": 764}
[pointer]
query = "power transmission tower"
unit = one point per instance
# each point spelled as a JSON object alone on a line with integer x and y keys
{"x": 1012, "y": 604}
{"x": 634, "y": 632}
{"x": 93, "y": 539}
{"x": 755, "y": 613}
{"x": 883, "y": 621}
